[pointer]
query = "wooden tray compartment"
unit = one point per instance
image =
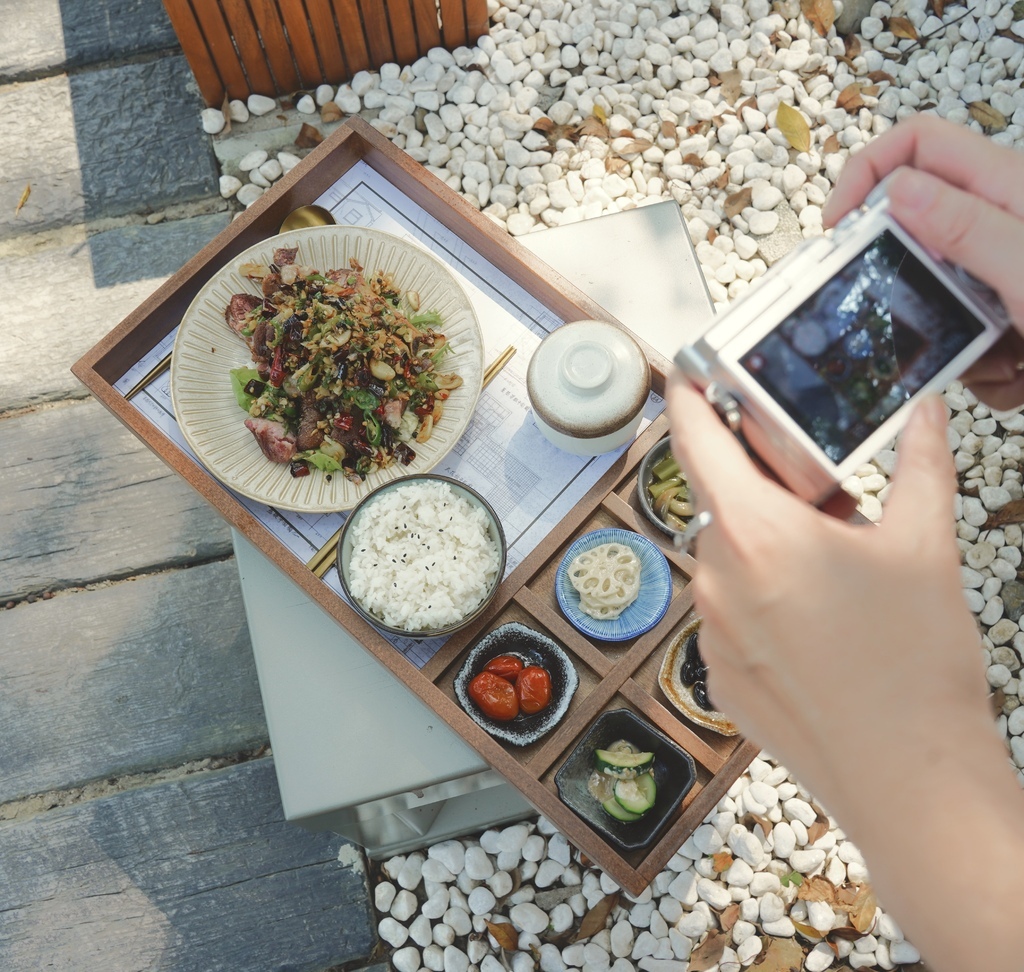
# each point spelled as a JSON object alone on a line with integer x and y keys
{"x": 612, "y": 675}
{"x": 622, "y": 674}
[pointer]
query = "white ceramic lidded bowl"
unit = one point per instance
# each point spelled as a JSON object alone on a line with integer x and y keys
{"x": 588, "y": 383}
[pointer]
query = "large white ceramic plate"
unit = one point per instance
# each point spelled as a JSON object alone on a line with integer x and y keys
{"x": 206, "y": 350}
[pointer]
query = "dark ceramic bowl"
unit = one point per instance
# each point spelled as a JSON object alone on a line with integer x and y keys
{"x": 674, "y": 774}
{"x": 644, "y": 478}
{"x": 364, "y": 508}
{"x": 533, "y": 648}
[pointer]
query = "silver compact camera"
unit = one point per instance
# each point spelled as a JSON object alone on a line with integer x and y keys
{"x": 816, "y": 365}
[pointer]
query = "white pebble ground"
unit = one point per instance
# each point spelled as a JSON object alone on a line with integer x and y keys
{"x": 571, "y": 109}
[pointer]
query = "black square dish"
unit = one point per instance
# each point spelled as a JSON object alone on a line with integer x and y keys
{"x": 674, "y": 774}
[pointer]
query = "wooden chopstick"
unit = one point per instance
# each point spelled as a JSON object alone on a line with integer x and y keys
{"x": 323, "y": 559}
{"x": 158, "y": 369}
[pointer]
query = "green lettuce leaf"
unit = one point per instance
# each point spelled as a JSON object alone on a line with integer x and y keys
{"x": 240, "y": 377}
{"x": 322, "y": 461}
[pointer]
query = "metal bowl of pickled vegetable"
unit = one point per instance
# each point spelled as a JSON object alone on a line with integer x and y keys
{"x": 664, "y": 491}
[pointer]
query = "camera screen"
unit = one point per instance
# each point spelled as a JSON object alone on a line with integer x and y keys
{"x": 848, "y": 357}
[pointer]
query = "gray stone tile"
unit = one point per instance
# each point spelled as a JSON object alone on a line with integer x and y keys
{"x": 140, "y": 252}
{"x": 63, "y": 34}
{"x": 140, "y": 140}
{"x": 186, "y": 876}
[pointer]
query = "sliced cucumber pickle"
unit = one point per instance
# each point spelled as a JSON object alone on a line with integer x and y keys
{"x": 619, "y": 812}
{"x": 637, "y": 795}
{"x": 622, "y": 765}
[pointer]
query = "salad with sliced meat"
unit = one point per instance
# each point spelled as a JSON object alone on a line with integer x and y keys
{"x": 346, "y": 373}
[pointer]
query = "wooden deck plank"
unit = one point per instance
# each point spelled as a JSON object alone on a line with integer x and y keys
{"x": 126, "y": 678}
{"x": 81, "y": 500}
{"x": 185, "y": 876}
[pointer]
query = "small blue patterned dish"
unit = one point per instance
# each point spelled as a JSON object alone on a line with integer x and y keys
{"x": 648, "y": 608}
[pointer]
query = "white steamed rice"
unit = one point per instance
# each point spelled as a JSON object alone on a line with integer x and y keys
{"x": 422, "y": 557}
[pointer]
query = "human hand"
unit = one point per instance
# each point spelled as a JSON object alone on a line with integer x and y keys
{"x": 843, "y": 650}
{"x": 960, "y": 195}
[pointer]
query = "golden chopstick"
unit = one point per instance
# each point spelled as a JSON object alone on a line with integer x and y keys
{"x": 158, "y": 369}
{"x": 323, "y": 559}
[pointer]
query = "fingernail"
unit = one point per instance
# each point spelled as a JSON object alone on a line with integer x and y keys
{"x": 912, "y": 192}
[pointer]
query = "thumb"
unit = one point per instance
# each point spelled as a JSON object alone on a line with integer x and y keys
{"x": 925, "y": 481}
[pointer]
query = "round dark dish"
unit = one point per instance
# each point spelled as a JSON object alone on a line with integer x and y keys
{"x": 533, "y": 648}
{"x": 645, "y": 476}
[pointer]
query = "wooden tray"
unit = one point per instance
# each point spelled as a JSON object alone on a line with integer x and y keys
{"x": 621, "y": 675}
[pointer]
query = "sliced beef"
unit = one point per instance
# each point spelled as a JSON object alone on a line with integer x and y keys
{"x": 271, "y": 284}
{"x": 310, "y": 435}
{"x": 238, "y": 307}
{"x": 283, "y": 256}
{"x": 393, "y": 412}
{"x": 277, "y": 443}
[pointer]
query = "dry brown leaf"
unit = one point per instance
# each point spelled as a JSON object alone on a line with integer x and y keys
{"x": 846, "y": 933}
{"x": 808, "y": 931}
{"x": 997, "y": 700}
{"x": 731, "y": 81}
{"x": 668, "y": 129}
{"x": 794, "y": 126}
{"x": 939, "y": 8}
{"x": 699, "y": 128}
{"x": 635, "y": 147}
{"x": 870, "y": 90}
{"x": 595, "y": 919}
{"x": 852, "y": 44}
{"x": 819, "y": 828}
{"x": 902, "y": 28}
{"x": 763, "y": 822}
{"x": 308, "y": 137}
{"x": 330, "y": 112}
{"x": 691, "y": 158}
{"x": 862, "y": 914}
{"x": 1013, "y": 512}
{"x": 721, "y": 861}
{"x": 615, "y": 165}
{"x": 984, "y": 114}
{"x": 819, "y": 13}
{"x": 738, "y": 201}
{"x": 544, "y": 124}
{"x": 729, "y": 917}
{"x": 850, "y": 98}
{"x": 225, "y": 110}
{"x": 831, "y": 144}
{"x": 876, "y": 76}
{"x": 817, "y": 889}
{"x": 781, "y": 955}
{"x": 24, "y": 199}
{"x": 504, "y": 933}
{"x": 707, "y": 954}
{"x": 723, "y": 180}
{"x": 593, "y": 126}
{"x": 750, "y": 102}
{"x": 712, "y": 234}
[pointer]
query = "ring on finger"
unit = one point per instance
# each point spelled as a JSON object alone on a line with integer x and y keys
{"x": 686, "y": 540}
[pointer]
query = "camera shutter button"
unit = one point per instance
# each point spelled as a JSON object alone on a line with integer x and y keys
{"x": 724, "y": 403}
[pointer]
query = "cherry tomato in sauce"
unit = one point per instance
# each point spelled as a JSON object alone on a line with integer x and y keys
{"x": 496, "y": 696}
{"x": 505, "y": 666}
{"x": 533, "y": 689}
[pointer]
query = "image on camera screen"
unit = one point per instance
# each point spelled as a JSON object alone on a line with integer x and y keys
{"x": 849, "y": 356}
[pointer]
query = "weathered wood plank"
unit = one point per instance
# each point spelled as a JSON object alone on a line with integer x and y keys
{"x": 185, "y": 876}
{"x": 126, "y": 678}
{"x": 104, "y": 276}
{"x": 81, "y": 500}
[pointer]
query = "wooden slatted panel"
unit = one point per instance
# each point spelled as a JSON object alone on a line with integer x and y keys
{"x": 197, "y": 53}
{"x": 275, "y": 43}
{"x": 251, "y": 51}
{"x": 350, "y": 27}
{"x": 403, "y": 32}
{"x": 453, "y": 23}
{"x": 428, "y": 31}
{"x": 293, "y": 13}
{"x": 325, "y": 36}
{"x": 477, "y": 21}
{"x": 375, "y": 25}
{"x": 218, "y": 39}
{"x": 279, "y": 46}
